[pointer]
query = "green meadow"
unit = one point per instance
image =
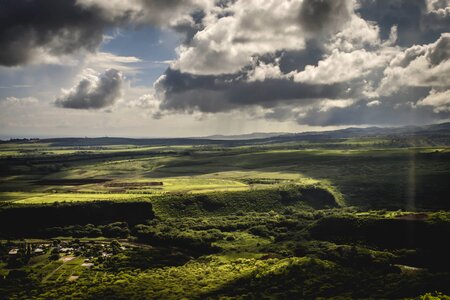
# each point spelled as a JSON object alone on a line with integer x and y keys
{"x": 368, "y": 177}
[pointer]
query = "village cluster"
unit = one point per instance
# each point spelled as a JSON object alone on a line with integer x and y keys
{"x": 17, "y": 254}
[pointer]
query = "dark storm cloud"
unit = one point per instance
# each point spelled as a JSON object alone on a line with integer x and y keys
{"x": 59, "y": 27}
{"x": 438, "y": 16}
{"x": 324, "y": 16}
{"x": 206, "y": 93}
{"x": 94, "y": 93}
{"x": 415, "y": 24}
{"x": 189, "y": 27}
{"x": 296, "y": 60}
{"x": 361, "y": 114}
{"x": 398, "y": 109}
{"x": 395, "y": 109}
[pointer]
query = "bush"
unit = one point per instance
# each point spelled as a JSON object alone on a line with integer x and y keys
{"x": 260, "y": 230}
{"x": 54, "y": 256}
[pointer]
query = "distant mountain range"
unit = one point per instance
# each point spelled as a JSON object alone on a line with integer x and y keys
{"x": 373, "y": 131}
{"x": 337, "y": 134}
{"x": 248, "y": 136}
{"x": 434, "y": 130}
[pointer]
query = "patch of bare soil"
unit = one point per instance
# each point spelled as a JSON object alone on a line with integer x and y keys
{"x": 73, "y": 278}
{"x": 71, "y": 182}
{"x": 414, "y": 217}
{"x": 67, "y": 258}
{"x": 134, "y": 184}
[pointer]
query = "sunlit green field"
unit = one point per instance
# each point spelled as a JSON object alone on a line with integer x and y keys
{"x": 364, "y": 175}
{"x": 42, "y": 198}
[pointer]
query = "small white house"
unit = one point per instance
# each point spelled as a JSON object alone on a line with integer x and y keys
{"x": 14, "y": 251}
{"x": 66, "y": 250}
{"x": 87, "y": 265}
{"x": 38, "y": 251}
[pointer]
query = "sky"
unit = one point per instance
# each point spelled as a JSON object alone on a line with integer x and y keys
{"x": 184, "y": 68}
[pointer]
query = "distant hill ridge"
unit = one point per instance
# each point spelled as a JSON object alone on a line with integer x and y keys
{"x": 263, "y": 138}
{"x": 247, "y": 136}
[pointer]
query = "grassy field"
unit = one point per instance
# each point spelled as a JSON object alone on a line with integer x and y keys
{"x": 365, "y": 176}
{"x": 43, "y": 198}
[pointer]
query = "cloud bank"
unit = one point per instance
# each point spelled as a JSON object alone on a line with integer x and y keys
{"x": 314, "y": 62}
